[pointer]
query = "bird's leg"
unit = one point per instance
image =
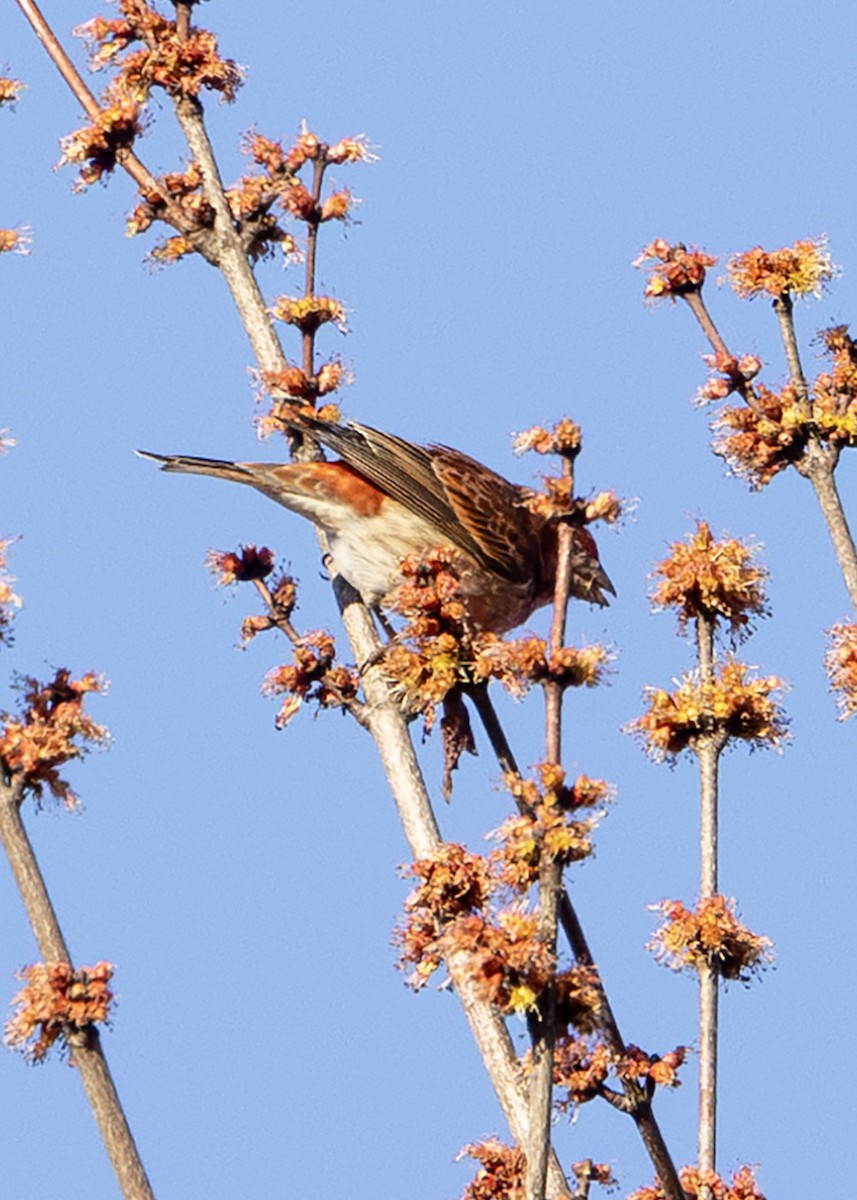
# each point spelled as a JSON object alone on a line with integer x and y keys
{"x": 381, "y": 618}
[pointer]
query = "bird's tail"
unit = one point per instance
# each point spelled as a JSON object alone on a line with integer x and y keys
{"x": 188, "y": 465}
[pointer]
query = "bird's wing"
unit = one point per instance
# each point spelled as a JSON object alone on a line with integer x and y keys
{"x": 463, "y": 500}
{"x": 490, "y": 509}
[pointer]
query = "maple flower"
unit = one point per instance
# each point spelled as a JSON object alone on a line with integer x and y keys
{"x": 520, "y": 663}
{"x": 757, "y": 443}
{"x": 799, "y": 270}
{"x": 290, "y": 381}
{"x": 265, "y": 151}
{"x": 50, "y": 730}
{"x": 580, "y": 1070}
{"x": 351, "y": 150}
{"x": 15, "y": 241}
{"x": 312, "y": 675}
{"x": 840, "y": 662}
{"x": 547, "y": 825}
{"x": 308, "y": 313}
{"x": 501, "y": 1173}
{"x": 9, "y": 601}
{"x": 662, "y": 1069}
{"x": 711, "y": 934}
{"x": 735, "y": 374}
{"x": 297, "y": 200}
{"x": 717, "y": 580}
{"x": 56, "y": 1001}
{"x": 182, "y": 66}
{"x": 699, "y": 1185}
{"x": 587, "y": 1172}
{"x": 237, "y": 566}
{"x": 509, "y": 964}
{"x": 97, "y": 146}
{"x": 337, "y": 206}
{"x": 172, "y": 249}
{"x": 453, "y": 882}
{"x": 432, "y": 656}
{"x": 10, "y": 90}
{"x": 834, "y": 393}
{"x": 105, "y": 39}
{"x": 732, "y": 705}
{"x": 331, "y": 376}
{"x": 183, "y": 188}
{"x": 564, "y": 438}
{"x": 673, "y": 269}
{"x": 579, "y": 999}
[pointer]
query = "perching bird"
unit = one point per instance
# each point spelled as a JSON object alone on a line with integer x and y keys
{"x": 386, "y": 498}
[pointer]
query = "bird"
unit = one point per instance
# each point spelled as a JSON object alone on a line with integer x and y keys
{"x": 386, "y": 498}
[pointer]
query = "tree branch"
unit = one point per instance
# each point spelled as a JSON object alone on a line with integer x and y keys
{"x": 84, "y": 1045}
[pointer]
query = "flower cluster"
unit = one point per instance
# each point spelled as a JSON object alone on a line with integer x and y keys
{"x": 56, "y": 1001}
{"x": 520, "y": 663}
{"x": 716, "y": 580}
{"x": 248, "y": 564}
{"x": 834, "y": 393}
{"x": 276, "y": 183}
{"x": 433, "y": 654}
{"x": 99, "y": 146}
{"x": 452, "y": 883}
{"x": 15, "y": 241}
{"x": 731, "y": 705}
{"x": 501, "y": 1172}
{"x": 580, "y": 1070}
{"x": 182, "y": 63}
{"x": 9, "y": 601}
{"x": 565, "y": 439}
{"x": 707, "y": 1185}
{"x": 184, "y": 190}
{"x": 309, "y": 313}
{"x": 582, "y": 1066}
{"x": 734, "y": 374}
{"x": 772, "y": 431}
{"x": 453, "y": 909}
{"x": 10, "y": 89}
{"x": 709, "y": 935}
{"x": 546, "y": 823}
{"x": 447, "y": 916}
{"x": 313, "y": 675}
{"x": 661, "y": 1069}
{"x": 587, "y": 1172}
{"x": 799, "y": 270}
{"x": 50, "y": 730}
{"x": 241, "y": 565}
{"x": 293, "y": 382}
{"x": 841, "y": 664}
{"x": 759, "y": 441}
{"x": 673, "y": 269}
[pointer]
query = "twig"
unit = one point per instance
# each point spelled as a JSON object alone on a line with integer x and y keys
{"x": 405, "y": 779}
{"x": 784, "y": 308}
{"x": 820, "y": 462}
{"x": 279, "y": 619}
{"x": 708, "y": 753}
{"x": 635, "y": 1101}
{"x": 742, "y": 386}
{"x": 84, "y": 1044}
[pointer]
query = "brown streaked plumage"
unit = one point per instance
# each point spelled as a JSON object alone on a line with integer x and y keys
{"x": 387, "y": 498}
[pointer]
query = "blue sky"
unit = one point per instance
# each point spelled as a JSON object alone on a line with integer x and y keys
{"x": 244, "y": 880}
